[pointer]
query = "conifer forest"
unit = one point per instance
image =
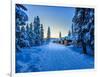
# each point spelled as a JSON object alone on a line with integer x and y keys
{"x": 53, "y": 38}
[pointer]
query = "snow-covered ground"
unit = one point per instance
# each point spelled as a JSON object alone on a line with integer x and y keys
{"x": 52, "y": 57}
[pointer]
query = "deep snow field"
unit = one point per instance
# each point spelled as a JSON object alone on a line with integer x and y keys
{"x": 52, "y": 57}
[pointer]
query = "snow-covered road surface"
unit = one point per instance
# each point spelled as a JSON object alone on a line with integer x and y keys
{"x": 52, "y": 57}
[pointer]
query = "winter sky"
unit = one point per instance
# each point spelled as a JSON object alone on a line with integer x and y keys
{"x": 59, "y": 19}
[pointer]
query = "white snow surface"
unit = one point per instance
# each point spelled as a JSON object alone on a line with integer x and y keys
{"x": 52, "y": 57}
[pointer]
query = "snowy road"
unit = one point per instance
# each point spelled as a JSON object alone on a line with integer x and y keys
{"x": 53, "y": 57}
{"x": 60, "y": 57}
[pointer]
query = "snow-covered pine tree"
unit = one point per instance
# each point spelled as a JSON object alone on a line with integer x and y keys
{"x": 23, "y": 28}
{"x": 69, "y": 33}
{"x": 28, "y": 33}
{"x": 48, "y": 34}
{"x": 21, "y": 18}
{"x": 91, "y": 22}
{"x": 72, "y": 29}
{"x": 27, "y": 28}
{"x": 83, "y": 26}
{"x": 37, "y": 31}
{"x": 31, "y": 27}
{"x": 31, "y": 35}
{"x": 79, "y": 19}
{"x": 42, "y": 34}
{"x": 21, "y": 37}
{"x": 89, "y": 36}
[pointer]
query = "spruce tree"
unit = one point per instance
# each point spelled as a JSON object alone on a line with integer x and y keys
{"x": 69, "y": 33}
{"x": 42, "y": 33}
{"x": 60, "y": 35}
{"x": 79, "y": 22}
{"x": 48, "y": 33}
{"x": 27, "y": 28}
{"x": 31, "y": 27}
{"x": 37, "y": 31}
{"x": 83, "y": 23}
{"x": 21, "y": 18}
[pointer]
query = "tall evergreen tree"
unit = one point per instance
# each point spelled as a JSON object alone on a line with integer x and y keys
{"x": 31, "y": 35}
{"x": 23, "y": 29}
{"x": 31, "y": 27}
{"x": 69, "y": 33}
{"x": 28, "y": 33}
{"x": 21, "y": 18}
{"x": 60, "y": 35}
{"x": 27, "y": 28}
{"x": 72, "y": 28}
{"x": 83, "y": 26}
{"x": 48, "y": 33}
{"x": 79, "y": 21}
{"x": 42, "y": 33}
{"x": 23, "y": 38}
{"x": 37, "y": 31}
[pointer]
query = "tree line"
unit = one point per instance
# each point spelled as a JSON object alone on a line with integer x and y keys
{"x": 82, "y": 30}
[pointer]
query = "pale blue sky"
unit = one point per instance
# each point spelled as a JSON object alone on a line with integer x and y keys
{"x": 59, "y": 19}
